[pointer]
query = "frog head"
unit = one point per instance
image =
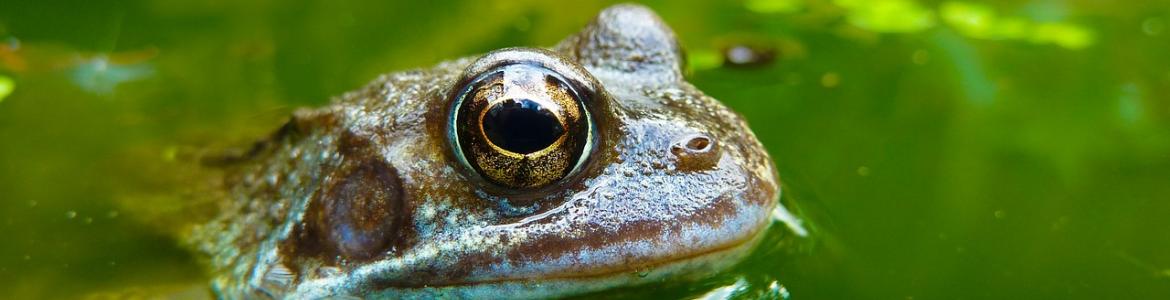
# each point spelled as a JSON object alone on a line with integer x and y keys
{"x": 523, "y": 172}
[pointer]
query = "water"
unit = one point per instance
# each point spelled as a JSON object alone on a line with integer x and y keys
{"x": 937, "y": 149}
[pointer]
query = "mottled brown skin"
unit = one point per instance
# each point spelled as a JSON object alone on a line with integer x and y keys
{"x": 367, "y": 197}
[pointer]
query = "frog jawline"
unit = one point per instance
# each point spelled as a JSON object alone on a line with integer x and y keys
{"x": 691, "y": 266}
{"x": 747, "y": 242}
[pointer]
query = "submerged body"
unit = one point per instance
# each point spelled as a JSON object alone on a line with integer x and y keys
{"x": 523, "y": 173}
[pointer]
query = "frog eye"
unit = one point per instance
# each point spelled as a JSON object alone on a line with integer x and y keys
{"x": 520, "y": 126}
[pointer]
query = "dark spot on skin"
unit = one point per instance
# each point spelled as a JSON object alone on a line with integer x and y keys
{"x": 695, "y": 152}
{"x": 361, "y": 213}
{"x": 358, "y": 215}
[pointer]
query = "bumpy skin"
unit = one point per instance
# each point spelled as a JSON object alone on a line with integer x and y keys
{"x": 643, "y": 208}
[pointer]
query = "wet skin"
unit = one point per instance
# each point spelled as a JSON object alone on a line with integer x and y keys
{"x": 522, "y": 173}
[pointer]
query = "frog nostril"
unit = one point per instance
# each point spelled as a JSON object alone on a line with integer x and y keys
{"x": 695, "y": 152}
{"x": 699, "y": 144}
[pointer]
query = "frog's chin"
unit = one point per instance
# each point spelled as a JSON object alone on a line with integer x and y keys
{"x": 689, "y": 267}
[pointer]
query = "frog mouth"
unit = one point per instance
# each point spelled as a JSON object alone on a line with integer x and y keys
{"x": 692, "y": 265}
{"x": 663, "y": 266}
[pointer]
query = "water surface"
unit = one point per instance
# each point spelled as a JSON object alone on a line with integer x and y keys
{"x": 938, "y": 149}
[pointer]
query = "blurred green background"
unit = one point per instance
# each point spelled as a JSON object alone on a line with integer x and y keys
{"x": 939, "y": 149}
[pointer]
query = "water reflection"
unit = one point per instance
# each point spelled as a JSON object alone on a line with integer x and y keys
{"x": 982, "y": 22}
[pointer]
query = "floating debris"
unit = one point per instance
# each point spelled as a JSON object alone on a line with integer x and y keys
{"x": 745, "y": 55}
{"x": 99, "y": 75}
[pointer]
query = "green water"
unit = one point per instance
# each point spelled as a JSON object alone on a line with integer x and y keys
{"x": 938, "y": 149}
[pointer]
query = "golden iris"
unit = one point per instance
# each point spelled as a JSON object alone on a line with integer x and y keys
{"x": 520, "y": 126}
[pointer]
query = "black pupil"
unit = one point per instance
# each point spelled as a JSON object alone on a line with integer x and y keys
{"x": 521, "y": 126}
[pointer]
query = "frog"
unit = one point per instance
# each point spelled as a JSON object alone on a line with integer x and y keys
{"x": 521, "y": 173}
